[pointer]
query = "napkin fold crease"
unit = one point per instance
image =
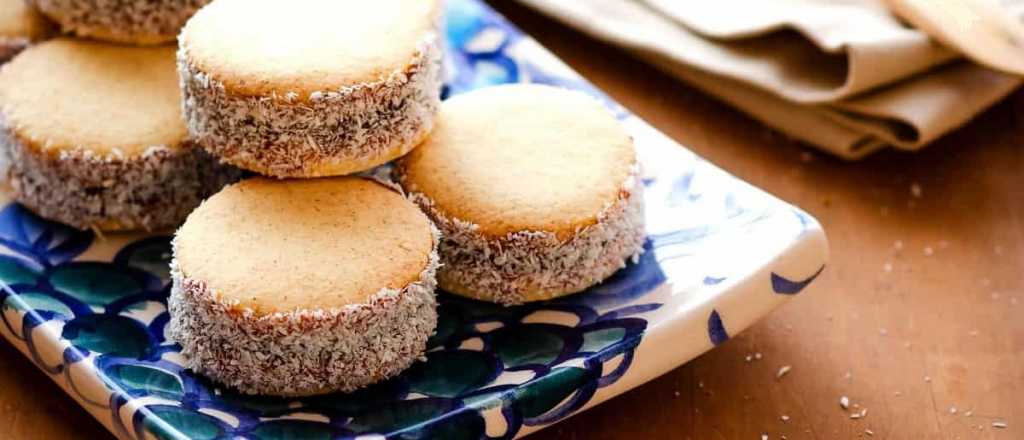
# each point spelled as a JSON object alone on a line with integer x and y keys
{"x": 845, "y": 76}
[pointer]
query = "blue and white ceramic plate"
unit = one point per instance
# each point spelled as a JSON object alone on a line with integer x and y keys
{"x": 90, "y": 312}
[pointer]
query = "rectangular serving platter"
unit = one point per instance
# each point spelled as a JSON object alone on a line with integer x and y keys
{"x": 91, "y": 311}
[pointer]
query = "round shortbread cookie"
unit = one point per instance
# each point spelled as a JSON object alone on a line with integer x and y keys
{"x": 143, "y": 22}
{"x": 302, "y": 287}
{"x": 20, "y": 25}
{"x": 310, "y": 88}
{"x": 91, "y": 135}
{"x": 535, "y": 190}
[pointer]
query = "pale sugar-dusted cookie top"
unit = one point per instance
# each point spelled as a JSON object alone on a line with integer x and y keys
{"x": 314, "y": 244}
{"x": 260, "y": 47}
{"x": 522, "y": 158}
{"x": 104, "y": 98}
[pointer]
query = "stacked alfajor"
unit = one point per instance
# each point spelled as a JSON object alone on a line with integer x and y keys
{"x": 306, "y": 278}
{"x": 307, "y": 281}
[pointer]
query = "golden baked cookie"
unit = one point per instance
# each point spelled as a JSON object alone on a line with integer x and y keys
{"x": 302, "y": 287}
{"x": 20, "y": 25}
{"x": 308, "y": 88}
{"x": 535, "y": 190}
{"x": 141, "y": 22}
{"x": 91, "y": 135}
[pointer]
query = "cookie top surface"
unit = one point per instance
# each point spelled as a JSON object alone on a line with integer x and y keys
{"x": 260, "y": 47}
{"x": 278, "y": 246}
{"x": 522, "y": 158}
{"x": 19, "y": 20}
{"x": 69, "y": 94}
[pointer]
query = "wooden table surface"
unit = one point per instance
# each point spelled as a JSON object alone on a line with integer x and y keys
{"x": 932, "y": 348}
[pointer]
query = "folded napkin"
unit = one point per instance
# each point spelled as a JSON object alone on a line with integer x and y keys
{"x": 989, "y": 32}
{"x": 844, "y": 75}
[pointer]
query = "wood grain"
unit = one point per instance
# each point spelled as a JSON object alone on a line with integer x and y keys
{"x": 955, "y": 317}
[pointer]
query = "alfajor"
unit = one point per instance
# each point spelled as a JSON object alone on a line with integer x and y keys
{"x": 534, "y": 188}
{"x": 309, "y": 88}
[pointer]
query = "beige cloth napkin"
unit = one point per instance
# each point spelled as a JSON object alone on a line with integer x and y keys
{"x": 844, "y": 75}
{"x": 989, "y": 32}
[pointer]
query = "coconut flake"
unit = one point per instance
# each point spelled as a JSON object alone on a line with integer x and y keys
{"x": 506, "y": 269}
{"x": 332, "y": 132}
{"x": 306, "y": 351}
{"x": 154, "y": 190}
{"x": 122, "y": 21}
{"x": 783, "y": 371}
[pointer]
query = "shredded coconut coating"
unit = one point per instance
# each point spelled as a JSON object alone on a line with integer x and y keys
{"x": 327, "y": 133}
{"x": 121, "y": 21}
{"x": 535, "y": 265}
{"x": 305, "y": 351}
{"x": 155, "y": 190}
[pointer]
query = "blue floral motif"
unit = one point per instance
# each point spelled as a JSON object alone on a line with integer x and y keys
{"x": 476, "y": 343}
{"x": 785, "y": 286}
{"x": 716, "y": 329}
{"x": 491, "y": 371}
{"x": 43, "y": 244}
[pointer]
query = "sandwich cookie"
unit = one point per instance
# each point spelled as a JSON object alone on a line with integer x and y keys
{"x": 20, "y": 25}
{"x": 141, "y": 22}
{"x": 303, "y": 287}
{"x": 309, "y": 88}
{"x": 91, "y": 135}
{"x": 535, "y": 189}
